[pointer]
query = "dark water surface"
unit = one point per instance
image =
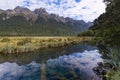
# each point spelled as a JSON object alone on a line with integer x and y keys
{"x": 70, "y": 63}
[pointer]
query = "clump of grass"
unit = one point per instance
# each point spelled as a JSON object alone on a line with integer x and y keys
{"x": 5, "y": 40}
{"x": 8, "y": 48}
{"x": 116, "y": 75}
{"x": 113, "y": 55}
{"x": 113, "y": 59}
{"x": 23, "y": 41}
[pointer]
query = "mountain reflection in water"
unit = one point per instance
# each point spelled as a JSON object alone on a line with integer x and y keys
{"x": 77, "y": 65}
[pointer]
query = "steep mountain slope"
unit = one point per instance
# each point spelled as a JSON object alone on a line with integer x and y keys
{"x": 22, "y": 21}
{"x": 107, "y": 26}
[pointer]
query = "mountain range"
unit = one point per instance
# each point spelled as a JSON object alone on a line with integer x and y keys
{"x": 24, "y": 22}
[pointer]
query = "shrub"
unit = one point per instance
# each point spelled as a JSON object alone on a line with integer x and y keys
{"x": 86, "y": 33}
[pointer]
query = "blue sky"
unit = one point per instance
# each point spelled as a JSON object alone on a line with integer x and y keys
{"x": 87, "y": 10}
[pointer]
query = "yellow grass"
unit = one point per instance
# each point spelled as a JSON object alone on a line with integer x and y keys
{"x": 27, "y": 44}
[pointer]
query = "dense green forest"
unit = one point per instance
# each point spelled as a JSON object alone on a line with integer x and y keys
{"x": 107, "y": 25}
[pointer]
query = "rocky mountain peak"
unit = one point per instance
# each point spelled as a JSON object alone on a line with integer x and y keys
{"x": 57, "y": 17}
{"x": 41, "y": 11}
{"x": 27, "y": 13}
{"x": 68, "y": 19}
{"x": 19, "y": 9}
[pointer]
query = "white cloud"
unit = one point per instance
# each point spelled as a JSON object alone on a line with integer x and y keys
{"x": 10, "y": 4}
{"x": 87, "y": 10}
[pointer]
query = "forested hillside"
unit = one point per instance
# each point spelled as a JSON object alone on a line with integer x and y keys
{"x": 107, "y": 25}
{"x": 24, "y": 22}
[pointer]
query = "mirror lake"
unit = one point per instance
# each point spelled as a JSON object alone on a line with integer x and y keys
{"x": 74, "y": 62}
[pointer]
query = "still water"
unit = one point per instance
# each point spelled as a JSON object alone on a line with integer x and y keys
{"x": 69, "y": 63}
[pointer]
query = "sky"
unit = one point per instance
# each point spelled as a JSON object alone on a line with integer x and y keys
{"x": 86, "y": 10}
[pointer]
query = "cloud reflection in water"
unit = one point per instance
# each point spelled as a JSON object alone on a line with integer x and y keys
{"x": 75, "y": 66}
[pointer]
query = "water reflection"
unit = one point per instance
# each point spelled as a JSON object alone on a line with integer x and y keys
{"x": 75, "y": 66}
{"x": 71, "y": 63}
{"x": 12, "y": 71}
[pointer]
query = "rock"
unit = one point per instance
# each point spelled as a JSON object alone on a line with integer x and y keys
{"x": 100, "y": 64}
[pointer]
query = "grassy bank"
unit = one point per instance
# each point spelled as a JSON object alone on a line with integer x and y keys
{"x": 114, "y": 55}
{"x": 110, "y": 69}
{"x": 28, "y": 44}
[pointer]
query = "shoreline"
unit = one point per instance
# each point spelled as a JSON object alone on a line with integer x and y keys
{"x": 31, "y": 44}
